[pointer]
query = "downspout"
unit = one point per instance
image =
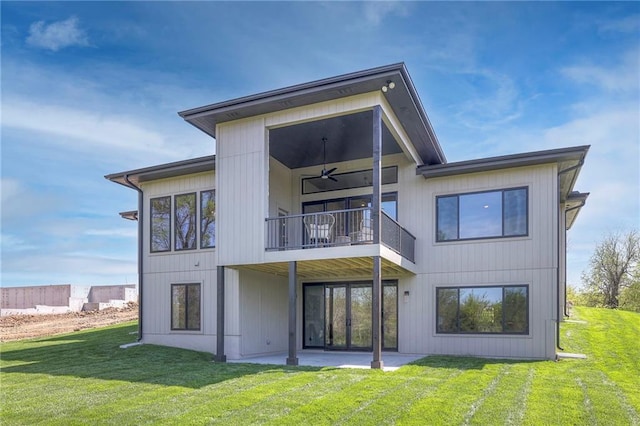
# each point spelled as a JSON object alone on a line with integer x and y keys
{"x": 560, "y": 310}
{"x": 581, "y": 205}
{"x": 140, "y": 258}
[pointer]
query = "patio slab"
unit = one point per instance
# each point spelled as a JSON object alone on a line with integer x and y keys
{"x": 391, "y": 360}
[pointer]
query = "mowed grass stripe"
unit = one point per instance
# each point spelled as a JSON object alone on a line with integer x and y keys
{"x": 277, "y": 406}
{"x": 334, "y": 401}
{"x": 402, "y": 388}
{"x": 453, "y": 399}
{"x": 609, "y": 342}
{"x": 245, "y": 403}
{"x": 555, "y": 397}
{"x": 84, "y": 378}
{"x": 213, "y": 399}
{"x": 507, "y": 401}
{"x": 632, "y": 414}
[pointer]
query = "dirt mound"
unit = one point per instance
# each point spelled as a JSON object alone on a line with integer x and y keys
{"x": 17, "y": 327}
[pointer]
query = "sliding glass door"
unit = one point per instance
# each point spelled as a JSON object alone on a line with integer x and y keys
{"x": 337, "y": 316}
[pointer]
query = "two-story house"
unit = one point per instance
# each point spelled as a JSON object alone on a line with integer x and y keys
{"x": 329, "y": 219}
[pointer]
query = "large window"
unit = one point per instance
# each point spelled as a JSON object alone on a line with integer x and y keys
{"x": 161, "y": 224}
{"x": 207, "y": 219}
{"x": 349, "y": 180}
{"x": 185, "y": 221}
{"x": 483, "y": 310}
{"x": 185, "y": 306}
{"x": 482, "y": 215}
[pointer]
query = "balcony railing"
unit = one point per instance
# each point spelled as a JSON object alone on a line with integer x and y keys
{"x": 336, "y": 228}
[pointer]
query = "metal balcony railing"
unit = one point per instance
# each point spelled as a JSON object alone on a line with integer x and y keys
{"x": 336, "y": 228}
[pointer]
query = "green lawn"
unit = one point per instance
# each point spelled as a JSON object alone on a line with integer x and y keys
{"x": 84, "y": 378}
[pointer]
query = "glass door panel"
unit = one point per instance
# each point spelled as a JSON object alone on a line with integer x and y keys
{"x": 360, "y": 317}
{"x": 336, "y": 317}
{"x": 313, "y": 316}
{"x": 390, "y": 316}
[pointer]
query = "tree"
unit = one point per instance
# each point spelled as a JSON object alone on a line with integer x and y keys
{"x": 613, "y": 266}
{"x": 630, "y": 296}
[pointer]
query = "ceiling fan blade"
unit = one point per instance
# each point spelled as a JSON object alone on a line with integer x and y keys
{"x": 332, "y": 178}
{"x": 331, "y": 171}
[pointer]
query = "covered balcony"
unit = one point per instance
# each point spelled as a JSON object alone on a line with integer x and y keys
{"x": 336, "y": 228}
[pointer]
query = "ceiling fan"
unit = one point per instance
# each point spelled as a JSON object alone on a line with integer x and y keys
{"x": 326, "y": 174}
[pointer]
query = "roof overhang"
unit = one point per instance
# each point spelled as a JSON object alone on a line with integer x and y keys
{"x": 133, "y": 178}
{"x": 129, "y": 215}
{"x": 569, "y": 161}
{"x": 403, "y": 99}
{"x": 575, "y": 201}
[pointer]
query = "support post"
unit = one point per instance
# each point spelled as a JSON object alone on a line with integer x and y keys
{"x": 292, "y": 359}
{"x": 220, "y": 356}
{"x": 375, "y": 222}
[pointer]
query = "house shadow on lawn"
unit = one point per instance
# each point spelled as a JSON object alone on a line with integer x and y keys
{"x": 465, "y": 362}
{"x": 96, "y": 354}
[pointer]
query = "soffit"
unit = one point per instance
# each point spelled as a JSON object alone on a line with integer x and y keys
{"x": 134, "y": 177}
{"x": 403, "y": 100}
{"x": 568, "y": 160}
{"x": 349, "y": 137}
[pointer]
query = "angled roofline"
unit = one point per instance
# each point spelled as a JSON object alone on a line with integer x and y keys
{"x": 312, "y": 92}
{"x": 577, "y": 153}
{"x": 131, "y": 178}
{"x": 569, "y": 161}
{"x": 573, "y": 204}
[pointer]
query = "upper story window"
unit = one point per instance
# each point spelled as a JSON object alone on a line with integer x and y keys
{"x": 185, "y": 221}
{"x": 208, "y": 219}
{"x": 489, "y": 214}
{"x": 358, "y": 179}
{"x": 160, "y": 224}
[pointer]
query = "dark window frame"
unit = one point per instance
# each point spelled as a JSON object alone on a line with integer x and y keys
{"x": 502, "y": 194}
{"x": 200, "y": 210}
{"x": 385, "y": 283}
{"x": 195, "y": 221}
{"x": 151, "y": 228}
{"x": 481, "y": 333}
{"x": 337, "y": 176}
{"x": 186, "y": 307}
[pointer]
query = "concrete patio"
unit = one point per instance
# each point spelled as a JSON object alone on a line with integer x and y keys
{"x": 392, "y": 360}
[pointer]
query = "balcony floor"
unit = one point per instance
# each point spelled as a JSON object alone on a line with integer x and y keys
{"x": 344, "y": 267}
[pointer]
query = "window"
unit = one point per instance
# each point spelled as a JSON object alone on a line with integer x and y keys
{"x": 483, "y": 310}
{"x": 185, "y": 222}
{"x": 185, "y": 306}
{"x": 207, "y": 219}
{"x": 358, "y": 179}
{"x": 161, "y": 224}
{"x": 482, "y": 215}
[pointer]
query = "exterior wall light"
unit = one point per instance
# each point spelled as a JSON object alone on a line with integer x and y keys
{"x": 388, "y": 86}
{"x": 406, "y": 296}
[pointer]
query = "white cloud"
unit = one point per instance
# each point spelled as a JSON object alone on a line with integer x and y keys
{"x": 621, "y": 78}
{"x": 10, "y": 242}
{"x": 628, "y": 24}
{"x": 57, "y": 35}
{"x": 85, "y": 131}
{"x": 376, "y": 11}
{"x": 119, "y": 232}
{"x": 494, "y": 100}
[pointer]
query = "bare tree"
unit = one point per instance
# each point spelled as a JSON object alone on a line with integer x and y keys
{"x": 613, "y": 265}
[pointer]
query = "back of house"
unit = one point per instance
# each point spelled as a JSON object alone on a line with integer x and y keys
{"x": 330, "y": 219}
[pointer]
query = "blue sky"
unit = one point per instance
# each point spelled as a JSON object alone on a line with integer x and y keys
{"x": 94, "y": 88}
